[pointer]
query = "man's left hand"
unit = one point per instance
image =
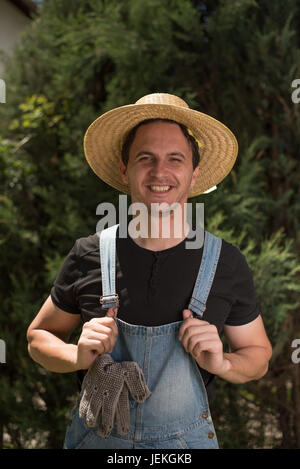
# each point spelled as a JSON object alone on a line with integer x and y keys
{"x": 201, "y": 339}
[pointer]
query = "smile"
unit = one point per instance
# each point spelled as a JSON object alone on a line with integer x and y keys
{"x": 160, "y": 188}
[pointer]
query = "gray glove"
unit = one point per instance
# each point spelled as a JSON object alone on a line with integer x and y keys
{"x": 105, "y": 393}
{"x": 134, "y": 382}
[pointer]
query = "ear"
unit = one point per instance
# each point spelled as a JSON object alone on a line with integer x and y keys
{"x": 195, "y": 175}
{"x": 123, "y": 172}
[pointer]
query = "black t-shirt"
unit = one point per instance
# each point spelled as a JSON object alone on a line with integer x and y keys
{"x": 155, "y": 286}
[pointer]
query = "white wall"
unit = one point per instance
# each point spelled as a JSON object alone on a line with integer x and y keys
{"x": 12, "y": 22}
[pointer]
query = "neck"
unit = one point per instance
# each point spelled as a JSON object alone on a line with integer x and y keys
{"x": 159, "y": 231}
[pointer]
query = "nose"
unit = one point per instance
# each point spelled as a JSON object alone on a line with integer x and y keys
{"x": 158, "y": 168}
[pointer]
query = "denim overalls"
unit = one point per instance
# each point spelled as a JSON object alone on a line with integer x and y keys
{"x": 176, "y": 415}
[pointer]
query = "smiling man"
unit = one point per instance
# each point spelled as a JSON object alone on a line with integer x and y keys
{"x": 152, "y": 310}
{"x": 160, "y": 165}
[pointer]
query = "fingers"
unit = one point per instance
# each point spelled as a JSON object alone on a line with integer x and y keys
{"x": 98, "y": 336}
{"x": 187, "y": 314}
{"x": 195, "y": 346}
{"x": 197, "y": 335}
{"x": 190, "y": 323}
{"x": 135, "y": 381}
{"x": 103, "y": 330}
{"x": 123, "y": 412}
{"x": 108, "y": 411}
{"x": 112, "y": 312}
{"x": 94, "y": 407}
{"x": 97, "y": 341}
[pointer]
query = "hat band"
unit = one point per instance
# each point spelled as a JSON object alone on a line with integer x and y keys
{"x": 198, "y": 141}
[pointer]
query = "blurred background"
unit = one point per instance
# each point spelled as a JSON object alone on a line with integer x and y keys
{"x": 63, "y": 64}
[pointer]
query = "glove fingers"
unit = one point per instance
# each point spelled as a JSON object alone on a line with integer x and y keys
{"x": 90, "y": 406}
{"x": 105, "y": 393}
{"x": 108, "y": 411}
{"x": 136, "y": 382}
{"x": 93, "y": 410}
{"x": 92, "y": 392}
{"x": 85, "y": 396}
{"x": 122, "y": 412}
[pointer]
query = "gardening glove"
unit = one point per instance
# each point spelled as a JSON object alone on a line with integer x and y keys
{"x": 134, "y": 382}
{"x": 123, "y": 412}
{"x": 102, "y": 387}
{"x": 100, "y": 392}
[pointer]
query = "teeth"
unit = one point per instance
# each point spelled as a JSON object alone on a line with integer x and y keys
{"x": 160, "y": 188}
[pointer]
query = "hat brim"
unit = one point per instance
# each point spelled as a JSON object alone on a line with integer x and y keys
{"x": 104, "y": 139}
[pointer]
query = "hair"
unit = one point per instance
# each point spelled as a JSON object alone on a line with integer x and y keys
{"x": 131, "y": 134}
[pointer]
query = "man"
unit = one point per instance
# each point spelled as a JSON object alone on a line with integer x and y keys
{"x": 159, "y": 151}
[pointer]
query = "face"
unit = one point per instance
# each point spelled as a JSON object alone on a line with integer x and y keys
{"x": 160, "y": 167}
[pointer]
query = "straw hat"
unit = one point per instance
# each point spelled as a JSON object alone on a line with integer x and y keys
{"x": 104, "y": 139}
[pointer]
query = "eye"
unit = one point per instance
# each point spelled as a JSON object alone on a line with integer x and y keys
{"x": 144, "y": 158}
{"x": 176, "y": 159}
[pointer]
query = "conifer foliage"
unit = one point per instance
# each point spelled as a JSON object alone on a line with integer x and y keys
{"x": 235, "y": 60}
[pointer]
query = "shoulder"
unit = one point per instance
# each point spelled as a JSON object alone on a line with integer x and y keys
{"x": 233, "y": 265}
{"x": 78, "y": 256}
{"x": 233, "y": 262}
{"x": 86, "y": 245}
{"x": 232, "y": 256}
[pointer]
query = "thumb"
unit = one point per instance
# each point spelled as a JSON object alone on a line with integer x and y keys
{"x": 112, "y": 312}
{"x": 187, "y": 313}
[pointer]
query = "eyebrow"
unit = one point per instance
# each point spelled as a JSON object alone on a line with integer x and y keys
{"x": 145, "y": 152}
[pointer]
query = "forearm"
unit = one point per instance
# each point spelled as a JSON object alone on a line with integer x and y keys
{"x": 246, "y": 364}
{"x": 51, "y": 352}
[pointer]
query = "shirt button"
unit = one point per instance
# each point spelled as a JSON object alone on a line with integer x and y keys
{"x": 211, "y": 435}
{"x": 204, "y": 415}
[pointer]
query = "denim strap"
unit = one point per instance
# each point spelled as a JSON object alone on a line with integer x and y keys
{"x": 107, "y": 246}
{"x": 206, "y": 274}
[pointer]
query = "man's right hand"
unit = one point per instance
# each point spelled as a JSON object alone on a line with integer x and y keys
{"x": 98, "y": 336}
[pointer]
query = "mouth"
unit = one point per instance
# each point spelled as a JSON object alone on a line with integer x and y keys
{"x": 159, "y": 189}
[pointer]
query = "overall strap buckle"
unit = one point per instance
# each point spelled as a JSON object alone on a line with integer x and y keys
{"x": 109, "y": 301}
